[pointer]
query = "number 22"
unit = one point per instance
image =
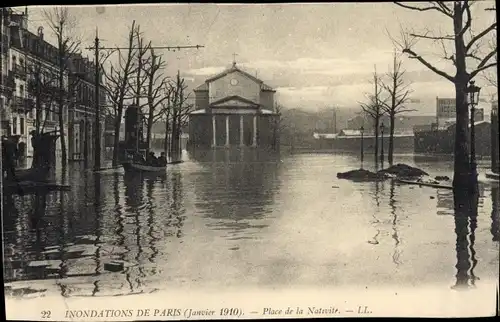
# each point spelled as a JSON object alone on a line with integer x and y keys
{"x": 45, "y": 314}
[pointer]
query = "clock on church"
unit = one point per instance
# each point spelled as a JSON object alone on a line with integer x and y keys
{"x": 234, "y": 81}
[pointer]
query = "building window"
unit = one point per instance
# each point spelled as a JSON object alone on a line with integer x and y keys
{"x": 13, "y": 61}
{"x": 21, "y": 125}
{"x": 14, "y": 125}
{"x": 21, "y": 90}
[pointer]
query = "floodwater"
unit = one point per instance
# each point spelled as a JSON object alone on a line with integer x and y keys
{"x": 233, "y": 219}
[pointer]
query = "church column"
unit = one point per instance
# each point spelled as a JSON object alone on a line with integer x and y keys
{"x": 254, "y": 139}
{"x": 241, "y": 131}
{"x": 227, "y": 130}
{"x": 214, "y": 137}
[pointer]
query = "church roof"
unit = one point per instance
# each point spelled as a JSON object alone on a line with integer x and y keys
{"x": 202, "y": 87}
{"x": 234, "y": 68}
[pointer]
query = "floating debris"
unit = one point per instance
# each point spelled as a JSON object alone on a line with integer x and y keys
{"x": 114, "y": 266}
{"x": 361, "y": 175}
{"x": 404, "y": 171}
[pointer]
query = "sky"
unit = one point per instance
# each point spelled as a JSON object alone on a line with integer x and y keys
{"x": 314, "y": 55}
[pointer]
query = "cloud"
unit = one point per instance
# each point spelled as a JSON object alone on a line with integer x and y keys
{"x": 205, "y": 71}
{"x": 307, "y": 81}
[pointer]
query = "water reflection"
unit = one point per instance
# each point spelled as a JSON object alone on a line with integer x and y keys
{"x": 151, "y": 221}
{"x": 495, "y": 214}
{"x": 395, "y": 236}
{"x": 232, "y": 207}
{"x": 375, "y": 220}
{"x": 134, "y": 202}
{"x": 466, "y": 205}
{"x": 239, "y": 191}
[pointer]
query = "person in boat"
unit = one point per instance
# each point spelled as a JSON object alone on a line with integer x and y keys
{"x": 152, "y": 160}
{"x": 139, "y": 158}
{"x": 162, "y": 160}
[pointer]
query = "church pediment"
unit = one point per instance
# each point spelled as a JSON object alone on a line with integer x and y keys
{"x": 234, "y": 101}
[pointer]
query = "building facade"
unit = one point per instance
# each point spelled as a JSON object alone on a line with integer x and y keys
{"x": 233, "y": 108}
{"x": 495, "y": 164}
{"x": 30, "y": 69}
{"x": 446, "y": 112}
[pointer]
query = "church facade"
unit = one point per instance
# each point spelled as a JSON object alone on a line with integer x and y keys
{"x": 233, "y": 108}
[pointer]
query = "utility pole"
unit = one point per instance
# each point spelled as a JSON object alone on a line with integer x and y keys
{"x": 97, "y": 138}
{"x": 96, "y": 49}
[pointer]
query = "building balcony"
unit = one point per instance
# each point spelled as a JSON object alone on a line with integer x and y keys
{"x": 22, "y": 104}
{"x": 19, "y": 71}
{"x": 8, "y": 83}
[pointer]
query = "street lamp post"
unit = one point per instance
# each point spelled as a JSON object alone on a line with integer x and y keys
{"x": 473, "y": 92}
{"x": 382, "y": 127}
{"x": 362, "y": 130}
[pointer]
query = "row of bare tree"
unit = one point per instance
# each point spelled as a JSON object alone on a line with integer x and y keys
{"x": 389, "y": 98}
{"x": 471, "y": 50}
{"x": 138, "y": 77}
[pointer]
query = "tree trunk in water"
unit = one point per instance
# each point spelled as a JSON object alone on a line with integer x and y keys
{"x": 149, "y": 130}
{"x": 172, "y": 136}
{"x": 376, "y": 139}
{"x": 165, "y": 143}
{"x": 116, "y": 141}
{"x": 461, "y": 175}
{"x": 64, "y": 156}
{"x": 391, "y": 140}
{"x": 462, "y": 170}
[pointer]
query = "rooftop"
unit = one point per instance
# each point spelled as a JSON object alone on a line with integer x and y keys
{"x": 232, "y": 69}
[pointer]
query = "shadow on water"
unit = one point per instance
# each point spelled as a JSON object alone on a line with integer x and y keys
{"x": 465, "y": 206}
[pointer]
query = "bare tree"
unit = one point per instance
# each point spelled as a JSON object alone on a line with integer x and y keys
{"x": 179, "y": 114}
{"x": 60, "y": 23}
{"x": 468, "y": 51}
{"x": 156, "y": 83}
{"x": 139, "y": 82}
{"x": 398, "y": 92}
{"x": 43, "y": 89}
{"x": 166, "y": 115}
{"x": 373, "y": 108}
{"x": 491, "y": 75}
{"x": 117, "y": 86}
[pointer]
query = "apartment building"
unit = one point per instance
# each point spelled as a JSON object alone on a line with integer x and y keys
{"x": 31, "y": 66}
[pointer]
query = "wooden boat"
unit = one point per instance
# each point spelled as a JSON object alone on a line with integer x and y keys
{"x": 135, "y": 167}
{"x": 425, "y": 184}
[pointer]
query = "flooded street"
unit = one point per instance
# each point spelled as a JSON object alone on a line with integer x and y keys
{"x": 230, "y": 220}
